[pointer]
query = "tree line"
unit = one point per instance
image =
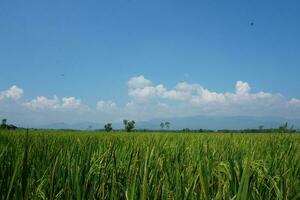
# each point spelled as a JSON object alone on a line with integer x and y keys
{"x": 129, "y": 126}
{"x": 285, "y": 128}
{"x": 6, "y": 126}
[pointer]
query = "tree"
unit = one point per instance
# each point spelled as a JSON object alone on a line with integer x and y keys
{"x": 186, "y": 130}
{"x": 291, "y": 129}
{"x": 129, "y": 125}
{"x": 261, "y": 127}
{"x": 283, "y": 128}
{"x": 108, "y": 127}
{"x": 162, "y": 125}
{"x": 4, "y": 124}
{"x": 11, "y": 127}
{"x": 167, "y": 125}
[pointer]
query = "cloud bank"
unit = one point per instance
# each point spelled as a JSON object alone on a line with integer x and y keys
{"x": 148, "y": 101}
{"x": 13, "y": 93}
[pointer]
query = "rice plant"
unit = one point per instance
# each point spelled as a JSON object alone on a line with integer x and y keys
{"x": 86, "y": 165}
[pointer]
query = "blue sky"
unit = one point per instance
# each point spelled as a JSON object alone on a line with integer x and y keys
{"x": 101, "y": 45}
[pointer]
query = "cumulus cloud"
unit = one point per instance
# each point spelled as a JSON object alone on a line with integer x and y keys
{"x": 196, "y": 94}
{"x": 148, "y": 100}
{"x": 106, "y": 105}
{"x": 294, "y": 102}
{"x": 138, "y": 82}
{"x": 146, "y": 92}
{"x": 242, "y": 88}
{"x": 71, "y": 102}
{"x": 195, "y": 99}
{"x": 43, "y": 103}
{"x": 14, "y": 92}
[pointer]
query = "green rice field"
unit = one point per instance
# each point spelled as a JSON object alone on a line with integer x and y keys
{"x": 97, "y": 165}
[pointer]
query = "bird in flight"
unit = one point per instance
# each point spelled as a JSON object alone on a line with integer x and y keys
{"x": 252, "y": 23}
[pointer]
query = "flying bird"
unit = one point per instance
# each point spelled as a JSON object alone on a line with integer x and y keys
{"x": 252, "y": 23}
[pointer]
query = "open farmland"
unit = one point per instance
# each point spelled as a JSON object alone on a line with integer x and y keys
{"x": 91, "y": 165}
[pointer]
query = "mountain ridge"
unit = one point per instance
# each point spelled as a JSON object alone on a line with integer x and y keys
{"x": 193, "y": 122}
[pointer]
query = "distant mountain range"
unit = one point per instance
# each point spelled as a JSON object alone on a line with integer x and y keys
{"x": 195, "y": 122}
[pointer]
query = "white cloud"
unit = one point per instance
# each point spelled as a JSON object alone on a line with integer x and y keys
{"x": 242, "y": 88}
{"x": 138, "y": 82}
{"x": 195, "y": 94}
{"x": 294, "y": 102}
{"x": 14, "y": 93}
{"x": 194, "y": 99}
{"x": 106, "y": 105}
{"x": 147, "y": 101}
{"x": 42, "y": 102}
{"x": 146, "y": 92}
{"x": 70, "y": 102}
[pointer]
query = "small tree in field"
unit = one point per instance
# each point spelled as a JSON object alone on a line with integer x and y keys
{"x": 283, "y": 128}
{"x": 167, "y": 125}
{"x": 3, "y": 124}
{"x": 162, "y": 125}
{"x": 129, "y": 125}
{"x": 108, "y": 127}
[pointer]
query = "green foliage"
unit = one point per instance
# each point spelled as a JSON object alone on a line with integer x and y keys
{"x": 4, "y": 121}
{"x": 108, "y": 127}
{"x": 129, "y": 125}
{"x": 283, "y": 128}
{"x": 165, "y": 125}
{"x": 162, "y": 125}
{"x": 91, "y": 165}
{"x": 4, "y": 125}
